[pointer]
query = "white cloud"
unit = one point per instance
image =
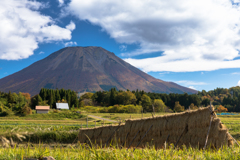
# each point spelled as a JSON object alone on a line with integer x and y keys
{"x": 164, "y": 73}
{"x": 235, "y": 73}
{"x": 23, "y": 27}
{"x": 41, "y": 52}
{"x": 190, "y": 83}
{"x": 238, "y": 83}
{"x": 61, "y": 2}
{"x": 123, "y": 48}
{"x": 194, "y": 35}
{"x": 192, "y": 87}
{"x": 70, "y": 44}
{"x": 71, "y": 26}
{"x": 185, "y": 65}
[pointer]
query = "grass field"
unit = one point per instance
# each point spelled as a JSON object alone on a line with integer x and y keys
{"x": 56, "y": 135}
{"x": 85, "y": 153}
{"x": 233, "y": 124}
{"x": 32, "y": 127}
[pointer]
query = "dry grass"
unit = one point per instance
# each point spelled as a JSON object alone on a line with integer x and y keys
{"x": 187, "y": 128}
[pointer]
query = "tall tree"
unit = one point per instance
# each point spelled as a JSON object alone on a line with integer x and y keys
{"x": 146, "y": 103}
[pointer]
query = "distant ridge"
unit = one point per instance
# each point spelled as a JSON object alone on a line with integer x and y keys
{"x": 85, "y": 69}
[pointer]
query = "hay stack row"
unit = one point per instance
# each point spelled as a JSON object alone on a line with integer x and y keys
{"x": 191, "y": 126}
{"x": 100, "y": 135}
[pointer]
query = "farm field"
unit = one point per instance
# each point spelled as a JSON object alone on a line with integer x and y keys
{"x": 55, "y": 137}
{"x": 123, "y": 116}
{"x": 35, "y": 129}
{"x": 233, "y": 124}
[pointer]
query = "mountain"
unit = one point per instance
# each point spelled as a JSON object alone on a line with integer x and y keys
{"x": 85, "y": 69}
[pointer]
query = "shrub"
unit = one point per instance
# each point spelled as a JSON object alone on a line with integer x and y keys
{"x": 159, "y": 105}
{"x": 26, "y": 110}
{"x": 178, "y": 107}
{"x": 220, "y": 108}
{"x": 4, "y": 111}
{"x": 121, "y": 109}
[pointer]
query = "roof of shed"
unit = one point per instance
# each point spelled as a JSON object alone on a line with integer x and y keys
{"x": 42, "y": 107}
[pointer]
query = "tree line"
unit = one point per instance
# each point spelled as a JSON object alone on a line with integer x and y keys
{"x": 223, "y": 97}
{"x": 52, "y": 96}
{"x": 146, "y": 99}
{"x": 14, "y": 104}
{"x": 22, "y": 103}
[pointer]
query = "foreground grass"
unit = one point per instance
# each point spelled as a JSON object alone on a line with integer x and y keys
{"x": 81, "y": 152}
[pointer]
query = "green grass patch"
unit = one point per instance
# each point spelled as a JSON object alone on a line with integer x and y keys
{"x": 52, "y": 115}
{"x": 81, "y": 152}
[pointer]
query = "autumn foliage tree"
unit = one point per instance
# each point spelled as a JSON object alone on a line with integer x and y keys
{"x": 220, "y": 108}
{"x": 27, "y": 96}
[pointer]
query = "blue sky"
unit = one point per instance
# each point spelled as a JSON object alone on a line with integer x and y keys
{"x": 190, "y": 42}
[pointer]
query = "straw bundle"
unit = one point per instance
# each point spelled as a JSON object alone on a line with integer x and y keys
{"x": 187, "y": 128}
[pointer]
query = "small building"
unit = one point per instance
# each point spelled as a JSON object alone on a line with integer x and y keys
{"x": 42, "y": 109}
{"x": 62, "y": 106}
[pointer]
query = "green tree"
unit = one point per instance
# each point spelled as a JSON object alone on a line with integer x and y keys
{"x": 193, "y": 107}
{"x": 205, "y": 102}
{"x": 50, "y": 100}
{"x": 58, "y": 97}
{"x": 178, "y": 107}
{"x": 113, "y": 94}
{"x": 25, "y": 110}
{"x": 87, "y": 95}
{"x": 130, "y": 98}
{"x": 159, "y": 105}
{"x": 146, "y": 103}
{"x": 74, "y": 99}
{"x": 10, "y": 97}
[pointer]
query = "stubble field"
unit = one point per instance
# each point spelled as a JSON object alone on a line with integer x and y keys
{"x": 54, "y": 136}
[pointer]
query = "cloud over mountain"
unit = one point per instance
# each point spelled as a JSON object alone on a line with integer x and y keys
{"x": 190, "y": 32}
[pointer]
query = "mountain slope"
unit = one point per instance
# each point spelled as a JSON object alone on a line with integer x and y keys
{"x": 85, "y": 69}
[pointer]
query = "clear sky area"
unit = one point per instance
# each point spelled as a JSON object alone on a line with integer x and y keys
{"x": 190, "y": 42}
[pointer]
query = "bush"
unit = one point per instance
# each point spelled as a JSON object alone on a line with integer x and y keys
{"x": 121, "y": 109}
{"x": 159, "y": 105}
{"x": 114, "y": 109}
{"x": 178, "y": 107}
{"x": 26, "y": 110}
{"x": 220, "y": 108}
{"x": 34, "y": 111}
{"x": 91, "y": 109}
{"x": 56, "y": 111}
{"x": 4, "y": 111}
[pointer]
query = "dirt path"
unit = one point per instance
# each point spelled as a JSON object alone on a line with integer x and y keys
{"x": 105, "y": 119}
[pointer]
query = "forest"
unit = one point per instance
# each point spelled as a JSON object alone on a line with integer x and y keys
{"x": 22, "y": 103}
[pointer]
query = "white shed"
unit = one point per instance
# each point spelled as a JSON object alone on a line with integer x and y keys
{"x": 62, "y": 106}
